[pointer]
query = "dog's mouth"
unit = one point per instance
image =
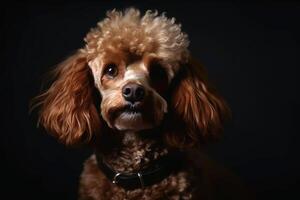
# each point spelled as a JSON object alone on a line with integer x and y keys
{"x": 131, "y": 117}
{"x": 126, "y": 111}
{"x": 131, "y": 110}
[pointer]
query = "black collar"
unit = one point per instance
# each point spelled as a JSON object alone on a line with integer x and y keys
{"x": 154, "y": 173}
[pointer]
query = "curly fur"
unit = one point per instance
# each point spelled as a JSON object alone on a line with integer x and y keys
{"x": 96, "y": 186}
{"x": 82, "y": 104}
{"x": 129, "y": 31}
{"x": 134, "y": 154}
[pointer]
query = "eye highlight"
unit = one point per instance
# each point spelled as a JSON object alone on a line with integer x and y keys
{"x": 111, "y": 70}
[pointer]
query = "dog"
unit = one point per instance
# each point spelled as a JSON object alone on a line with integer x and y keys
{"x": 135, "y": 94}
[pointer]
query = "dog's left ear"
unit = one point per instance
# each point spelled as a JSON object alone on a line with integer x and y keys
{"x": 196, "y": 111}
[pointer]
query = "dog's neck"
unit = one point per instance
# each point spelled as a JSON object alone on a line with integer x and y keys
{"x": 134, "y": 151}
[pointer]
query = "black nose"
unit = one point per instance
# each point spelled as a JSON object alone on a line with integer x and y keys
{"x": 133, "y": 92}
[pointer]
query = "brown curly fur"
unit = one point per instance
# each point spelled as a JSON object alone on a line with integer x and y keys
{"x": 69, "y": 108}
{"x": 133, "y": 154}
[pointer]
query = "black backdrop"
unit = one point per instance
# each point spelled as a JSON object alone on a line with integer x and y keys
{"x": 250, "y": 52}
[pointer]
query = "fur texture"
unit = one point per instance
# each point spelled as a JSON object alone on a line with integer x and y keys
{"x": 178, "y": 109}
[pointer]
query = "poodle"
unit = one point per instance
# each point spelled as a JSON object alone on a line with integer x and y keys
{"x": 138, "y": 98}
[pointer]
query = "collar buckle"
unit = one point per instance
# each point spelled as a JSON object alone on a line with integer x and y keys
{"x": 115, "y": 181}
{"x": 141, "y": 180}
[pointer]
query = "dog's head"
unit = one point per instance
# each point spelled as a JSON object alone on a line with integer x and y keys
{"x": 145, "y": 77}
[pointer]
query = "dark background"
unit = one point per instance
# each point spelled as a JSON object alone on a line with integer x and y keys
{"x": 251, "y": 52}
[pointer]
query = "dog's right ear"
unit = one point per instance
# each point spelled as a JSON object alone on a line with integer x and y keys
{"x": 197, "y": 111}
{"x": 67, "y": 108}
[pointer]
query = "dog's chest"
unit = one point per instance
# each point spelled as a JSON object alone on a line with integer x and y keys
{"x": 134, "y": 153}
{"x": 94, "y": 185}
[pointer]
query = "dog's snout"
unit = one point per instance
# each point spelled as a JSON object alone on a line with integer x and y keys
{"x": 133, "y": 92}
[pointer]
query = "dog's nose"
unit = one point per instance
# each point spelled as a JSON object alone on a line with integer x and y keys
{"x": 133, "y": 92}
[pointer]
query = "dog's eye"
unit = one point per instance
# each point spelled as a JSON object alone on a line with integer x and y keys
{"x": 111, "y": 70}
{"x": 157, "y": 73}
{"x": 158, "y": 76}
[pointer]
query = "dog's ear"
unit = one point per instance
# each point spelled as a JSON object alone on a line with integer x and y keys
{"x": 196, "y": 111}
{"x": 67, "y": 108}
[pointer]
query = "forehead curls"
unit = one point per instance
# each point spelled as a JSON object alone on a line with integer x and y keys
{"x": 136, "y": 34}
